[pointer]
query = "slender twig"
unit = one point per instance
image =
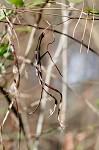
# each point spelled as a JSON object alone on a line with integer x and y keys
{"x": 16, "y": 82}
{"x": 58, "y": 32}
{"x": 31, "y": 38}
{"x": 78, "y": 19}
{"x": 91, "y": 107}
{"x": 42, "y": 7}
{"x": 83, "y": 34}
{"x": 6, "y": 95}
{"x": 29, "y": 45}
{"x": 93, "y": 3}
{"x": 26, "y": 126}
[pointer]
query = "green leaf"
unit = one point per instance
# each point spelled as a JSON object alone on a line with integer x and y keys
{"x": 75, "y": 1}
{"x": 2, "y": 15}
{"x": 90, "y": 128}
{"x": 5, "y": 52}
{"x": 97, "y": 103}
{"x": 2, "y": 68}
{"x": 8, "y": 1}
{"x": 3, "y": 49}
{"x": 93, "y": 11}
{"x": 17, "y": 3}
{"x": 37, "y": 2}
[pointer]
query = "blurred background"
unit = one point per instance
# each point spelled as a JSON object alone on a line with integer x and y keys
{"x": 72, "y": 41}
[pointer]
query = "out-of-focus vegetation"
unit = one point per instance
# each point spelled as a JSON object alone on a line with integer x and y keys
{"x": 70, "y": 26}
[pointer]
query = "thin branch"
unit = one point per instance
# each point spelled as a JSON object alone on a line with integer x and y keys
{"x": 31, "y": 38}
{"x": 6, "y": 95}
{"x": 78, "y": 19}
{"x": 29, "y": 45}
{"x": 58, "y": 32}
{"x": 92, "y": 25}
{"x": 47, "y": 1}
{"x": 91, "y": 107}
